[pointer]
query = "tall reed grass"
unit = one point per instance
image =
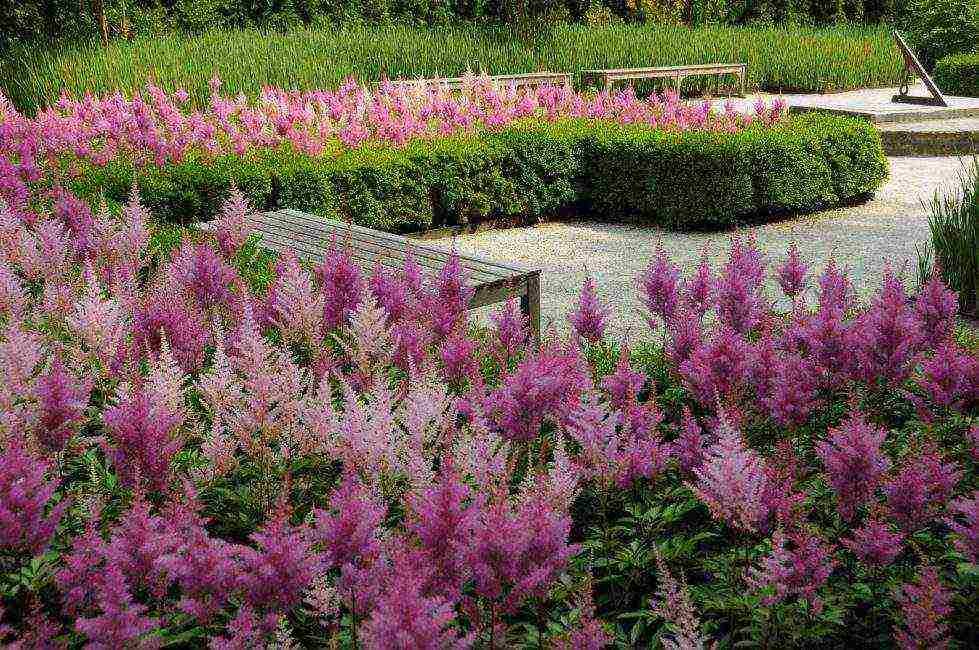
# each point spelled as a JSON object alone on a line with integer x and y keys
{"x": 954, "y": 247}
{"x": 797, "y": 59}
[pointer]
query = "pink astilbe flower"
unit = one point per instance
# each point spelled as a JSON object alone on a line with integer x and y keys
{"x": 660, "y": 287}
{"x": 793, "y": 394}
{"x": 690, "y": 446}
{"x": 443, "y": 518}
{"x": 924, "y": 605}
{"x": 718, "y": 367}
{"x": 142, "y": 439}
{"x": 674, "y": 606}
{"x": 945, "y": 376}
{"x": 349, "y": 537}
{"x": 231, "y": 226}
{"x": 446, "y": 305}
{"x": 738, "y": 299}
{"x": 121, "y": 622}
{"x": 800, "y": 563}
{"x": 686, "y": 336}
{"x": 275, "y": 575}
{"x": 405, "y": 618}
{"x": 206, "y": 569}
{"x": 62, "y": 401}
{"x": 936, "y": 307}
{"x": 164, "y": 315}
{"x": 732, "y": 481}
{"x": 590, "y": 317}
{"x": 922, "y": 485}
{"x": 887, "y": 336}
{"x": 28, "y": 520}
{"x": 544, "y": 387}
{"x": 458, "y": 357}
{"x": 624, "y": 384}
{"x": 342, "y": 287}
{"x": 874, "y": 544}
{"x": 517, "y": 550}
{"x": 200, "y": 272}
{"x": 699, "y": 290}
{"x": 967, "y": 542}
{"x": 791, "y": 274}
{"x": 293, "y": 304}
{"x": 855, "y": 464}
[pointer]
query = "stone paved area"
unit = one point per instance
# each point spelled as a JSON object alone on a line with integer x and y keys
{"x": 866, "y": 238}
{"x": 875, "y": 104}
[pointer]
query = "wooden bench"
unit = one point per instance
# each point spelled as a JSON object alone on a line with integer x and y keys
{"x": 310, "y": 237}
{"x": 527, "y": 80}
{"x": 607, "y": 77}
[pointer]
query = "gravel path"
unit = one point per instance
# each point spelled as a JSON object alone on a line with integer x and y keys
{"x": 866, "y": 238}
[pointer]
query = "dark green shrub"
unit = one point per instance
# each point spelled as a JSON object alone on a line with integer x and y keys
{"x": 531, "y": 171}
{"x": 958, "y": 74}
{"x": 938, "y": 28}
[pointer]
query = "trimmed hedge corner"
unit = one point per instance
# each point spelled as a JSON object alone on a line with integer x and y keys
{"x": 958, "y": 74}
{"x": 531, "y": 171}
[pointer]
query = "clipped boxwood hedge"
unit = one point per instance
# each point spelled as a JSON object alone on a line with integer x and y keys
{"x": 531, "y": 171}
{"x": 958, "y": 74}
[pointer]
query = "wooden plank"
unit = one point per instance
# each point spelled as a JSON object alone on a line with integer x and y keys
{"x": 364, "y": 256}
{"x": 390, "y": 238}
{"x": 425, "y": 256}
{"x": 519, "y": 80}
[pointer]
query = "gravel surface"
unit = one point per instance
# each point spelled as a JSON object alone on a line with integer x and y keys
{"x": 866, "y": 238}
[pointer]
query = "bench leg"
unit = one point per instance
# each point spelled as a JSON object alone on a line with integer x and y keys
{"x": 530, "y": 305}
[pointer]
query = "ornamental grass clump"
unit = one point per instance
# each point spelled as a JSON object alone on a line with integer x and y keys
{"x": 202, "y": 446}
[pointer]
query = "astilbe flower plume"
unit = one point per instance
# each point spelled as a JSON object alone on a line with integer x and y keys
{"x": 348, "y": 535}
{"x": 967, "y": 542}
{"x": 924, "y": 605}
{"x": 874, "y": 543}
{"x": 142, "y": 439}
{"x": 690, "y": 446}
{"x": 122, "y": 621}
{"x": 660, "y": 286}
{"x": 405, "y": 618}
{"x": 738, "y": 300}
{"x": 936, "y": 307}
{"x": 674, "y": 606}
{"x": 277, "y": 572}
{"x": 855, "y": 464}
{"x": 544, "y": 387}
{"x": 517, "y": 549}
{"x": 800, "y": 563}
{"x": 444, "y": 518}
{"x": 342, "y": 286}
{"x": 887, "y": 336}
{"x": 922, "y": 485}
{"x": 590, "y": 317}
{"x": 791, "y": 274}
{"x": 732, "y": 481}
{"x": 231, "y": 226}
{"x": 28, "y": 519}
{"x": 718, "y": 367}
{"x": 446, "y": 304}
{"x": 946, "y": 377}
{"x": 62, "y": 401}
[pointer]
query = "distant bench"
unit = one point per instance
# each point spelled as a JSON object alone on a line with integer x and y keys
{"x": 528, "y": 80}
{"x": 310, "y": 237}
{"x": 678, "y": 73}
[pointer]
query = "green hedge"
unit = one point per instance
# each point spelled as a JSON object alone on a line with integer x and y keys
{"x": 958, "y": 74}
{"x": 533, "y": 171}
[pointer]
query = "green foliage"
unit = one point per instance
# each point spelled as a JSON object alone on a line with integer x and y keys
{"x": 958, "y": 74}
{"x": 954, "y": 247}
{"x": 530, "y": 171}
{"x": 779, "y": 59}
{"x": 699, "y": 179}
{"x": 937, "y": 28}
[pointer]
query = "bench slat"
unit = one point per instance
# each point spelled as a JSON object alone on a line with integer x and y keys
{"x": 397, "y": 242}
{"x": 361, "y": 253}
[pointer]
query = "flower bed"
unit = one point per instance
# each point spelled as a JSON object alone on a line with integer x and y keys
{"x": 407, "y": 160}
{"x": 208, "y": 446}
